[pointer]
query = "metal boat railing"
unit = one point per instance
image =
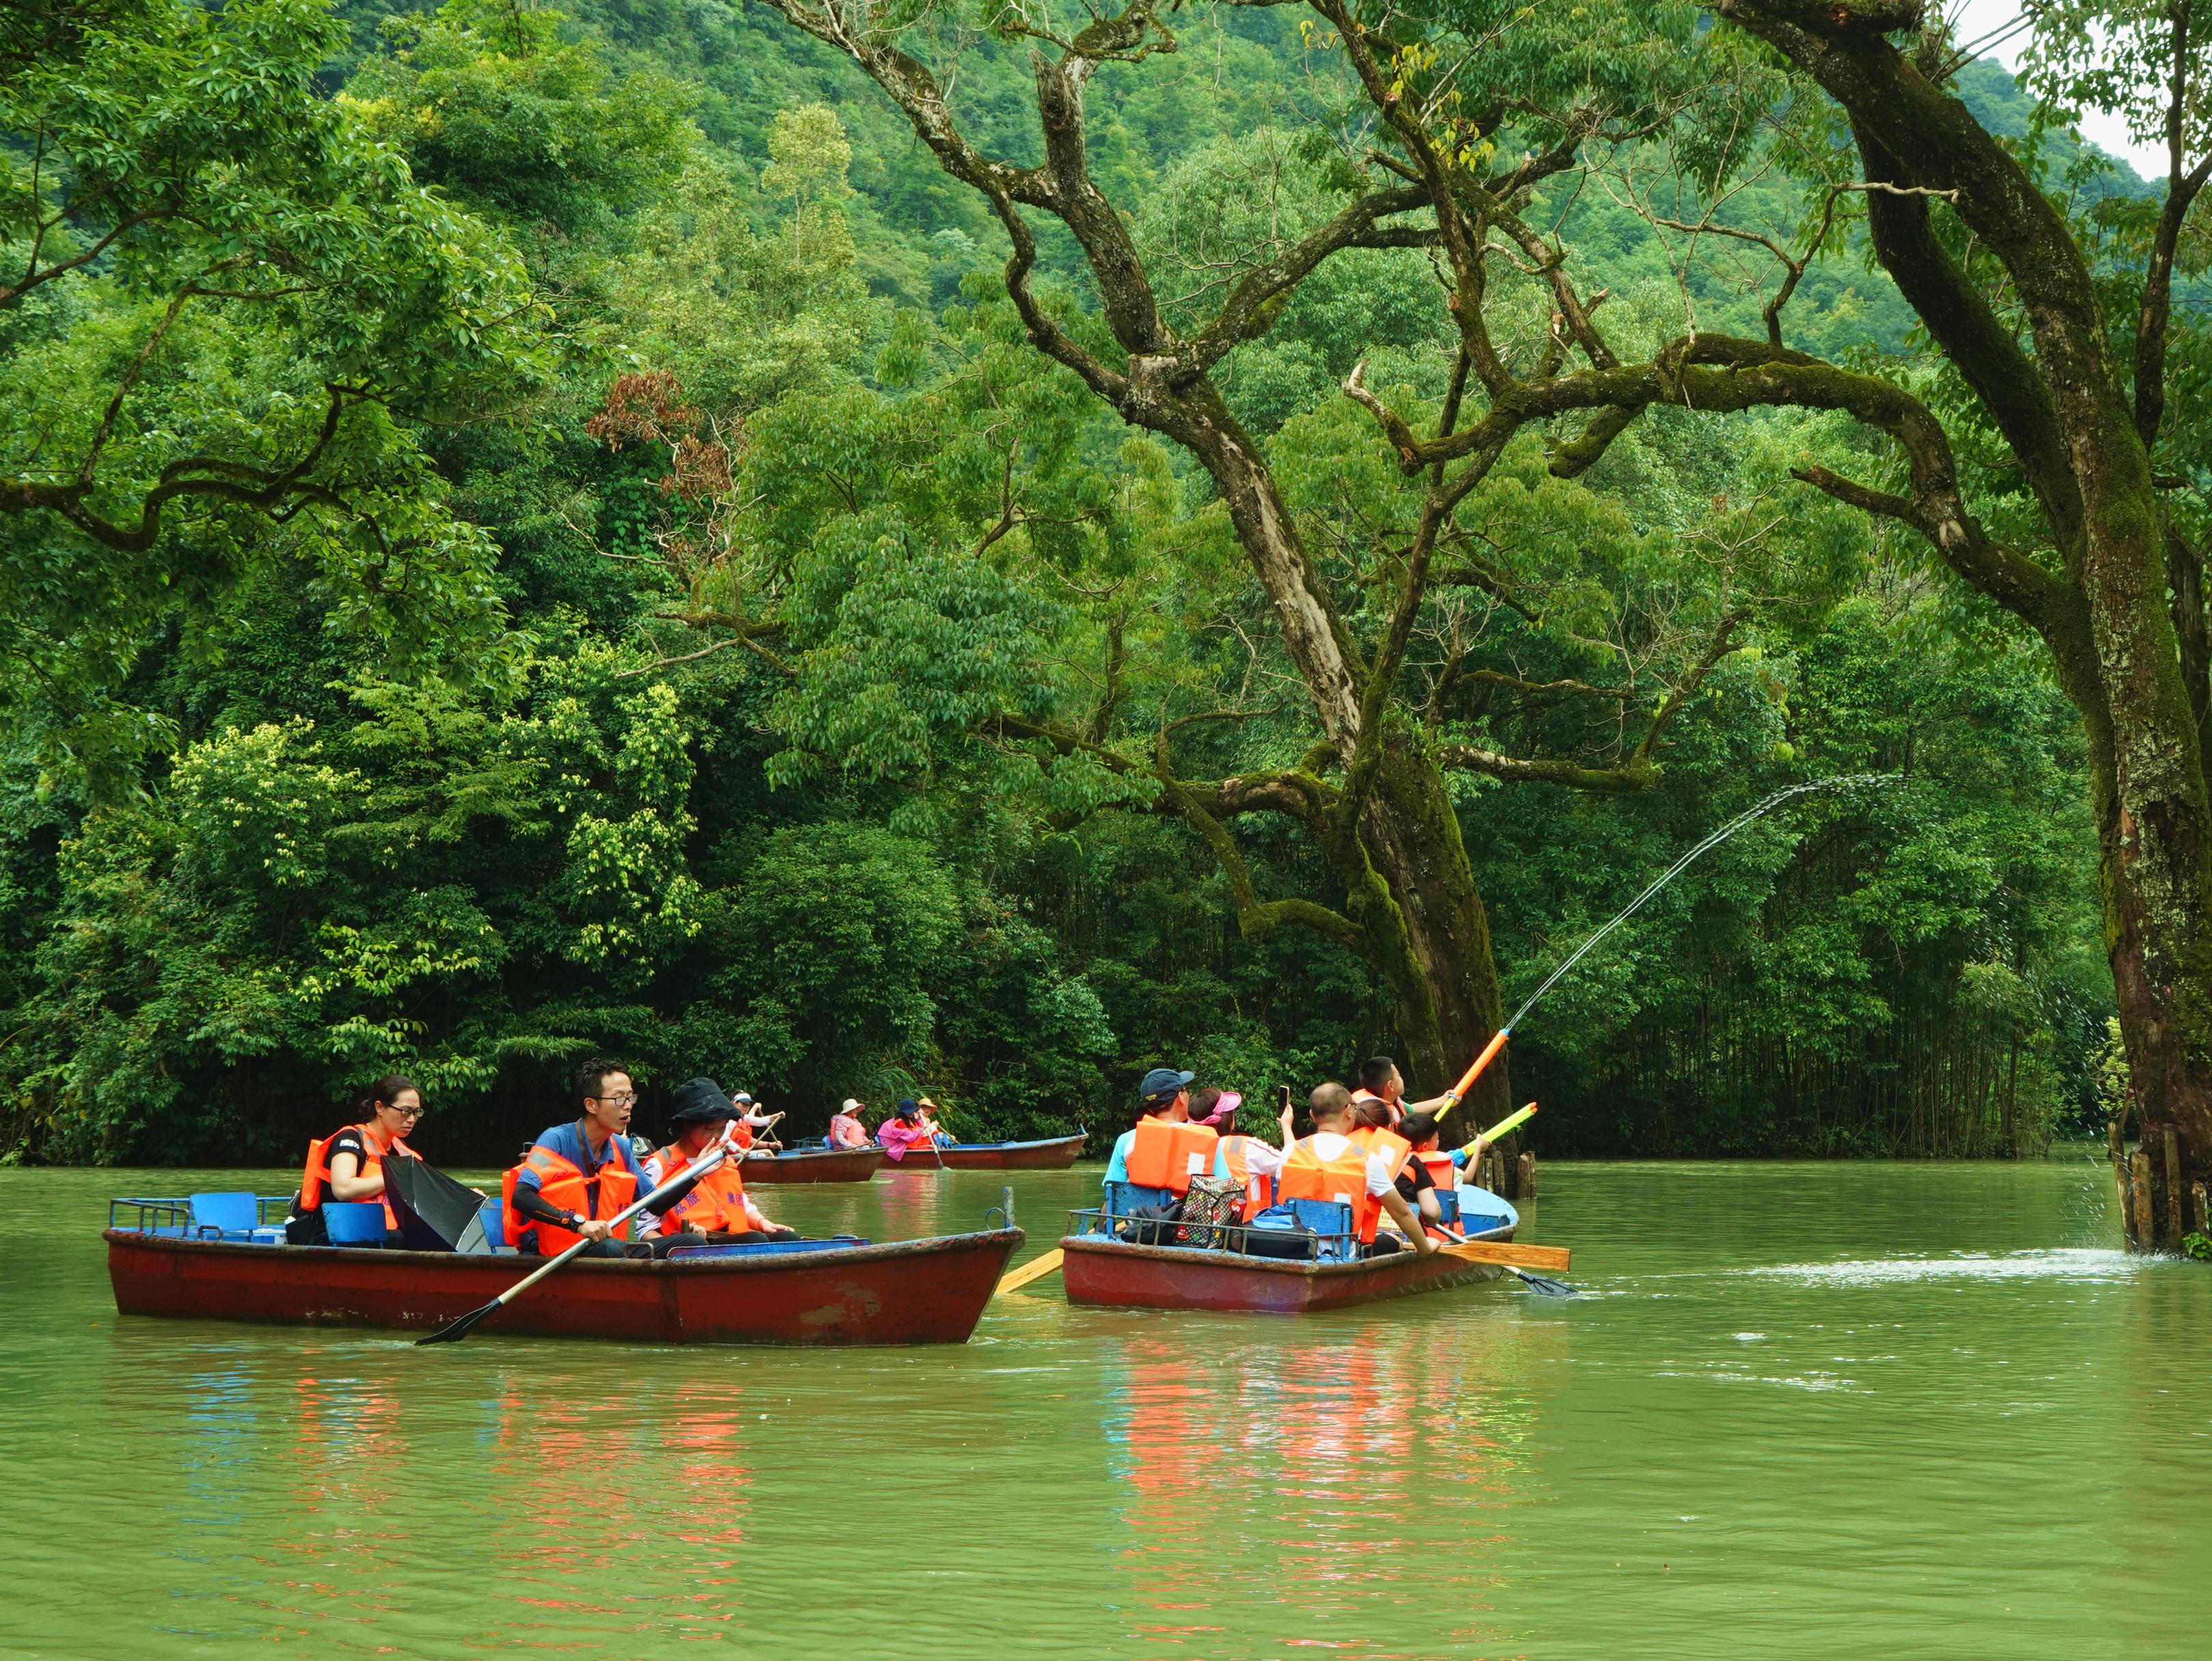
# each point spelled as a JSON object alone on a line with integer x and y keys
{"x": 171, "y": 1215}
{"x": 149, "y": 1215}
{"x": 1240, "y": 1238}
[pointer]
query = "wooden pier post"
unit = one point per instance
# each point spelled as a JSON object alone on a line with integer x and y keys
{"x": 1524, "y": 1177}
{"x": 2141, "y": 1236}
{"x": 2176, "y": 1224}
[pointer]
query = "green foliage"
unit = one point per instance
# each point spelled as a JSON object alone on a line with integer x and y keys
{"x": 703, "y": 541}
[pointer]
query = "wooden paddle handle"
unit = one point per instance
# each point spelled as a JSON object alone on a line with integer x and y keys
{"x": 1511, "y": 1255}
{"x": 1035, "y": 1269}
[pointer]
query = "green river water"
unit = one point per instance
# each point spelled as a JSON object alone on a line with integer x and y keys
{"x": 1833, "y": 1410}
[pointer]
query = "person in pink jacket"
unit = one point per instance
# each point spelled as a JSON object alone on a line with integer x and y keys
{"x": 906, "y": 1130}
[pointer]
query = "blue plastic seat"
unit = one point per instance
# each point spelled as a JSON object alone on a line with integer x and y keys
{"x": 1448, "y": 1203}
{"x": 1122, "y": 1198}
{"x": 494, "y": 1213}
{"x": 354, "y": 1225}
{"x": 233, "y": 1217}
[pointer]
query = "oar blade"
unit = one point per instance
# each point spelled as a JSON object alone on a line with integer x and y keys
{"x": 1035, "y": 1269}
{"x": 460, "y": 1329}
{"x": 1546, "y": 1286}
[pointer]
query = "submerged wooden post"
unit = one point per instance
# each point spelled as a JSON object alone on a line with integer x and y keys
{"x": 2176, "y": 1219}
{"x": 2141, "y": 1235}
{"x": 1524, "y": 1176}
{"x": 2201, "y": 1209}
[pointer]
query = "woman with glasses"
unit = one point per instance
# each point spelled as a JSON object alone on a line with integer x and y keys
{"x": 348, "y": 1168}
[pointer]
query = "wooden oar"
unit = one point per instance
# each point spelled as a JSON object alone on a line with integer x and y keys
{"x": 1510, "y": 1254}
{"x": 698, "y": 1168}
{"x": 1035, "y": 1269}
{"x": 1510, "y": 1257}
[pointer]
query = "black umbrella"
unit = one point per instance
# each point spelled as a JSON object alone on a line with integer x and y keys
{"x": 435, "y": 1213}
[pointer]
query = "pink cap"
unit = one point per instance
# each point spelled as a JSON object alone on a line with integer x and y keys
{"x": 1225, "y": 1111}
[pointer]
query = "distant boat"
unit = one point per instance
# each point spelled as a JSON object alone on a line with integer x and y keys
{"x": 811, "y": 1293}
{"x": 1053, "y": 1154}
{"x": 814, "y": 1164}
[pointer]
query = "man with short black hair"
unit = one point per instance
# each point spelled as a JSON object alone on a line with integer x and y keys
{"x": 1381, "y": 1081}
{"x": 1162, "y": 1094}
{"x": 577, "y": 1178}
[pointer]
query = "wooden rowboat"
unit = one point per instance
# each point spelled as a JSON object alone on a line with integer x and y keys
{"x": 905, "y": 1292}
{"x": 1053, "y": 1154}
{"x": 1105, "y": 1272}
{"x": 814, "y": 1164}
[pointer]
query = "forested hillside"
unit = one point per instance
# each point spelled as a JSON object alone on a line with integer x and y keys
{"x": 721, "y": 641}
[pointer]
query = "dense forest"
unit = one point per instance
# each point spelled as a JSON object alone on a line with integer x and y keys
{"x": 555, "y": 538}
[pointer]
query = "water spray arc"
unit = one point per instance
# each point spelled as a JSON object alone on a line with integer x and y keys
{"x": 1750, "y": 816}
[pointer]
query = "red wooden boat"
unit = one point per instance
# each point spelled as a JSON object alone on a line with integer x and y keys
{"x": 814, "y": 1164}
{"x": 904, "y": 1291}
{"x": 1103, "y": 1271}
{"x": 1053, "y": 1154}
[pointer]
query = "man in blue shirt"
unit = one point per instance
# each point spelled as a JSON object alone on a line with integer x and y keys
{"x": 1164, "y": 1094}
{"x": 578, "y": 1176}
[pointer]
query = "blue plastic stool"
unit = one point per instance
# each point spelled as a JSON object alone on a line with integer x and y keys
{"x": 354, "y": 1225}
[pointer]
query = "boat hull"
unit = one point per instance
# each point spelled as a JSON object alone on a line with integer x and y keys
{"x": 906, "y": 1292}
{"x": 1054, "y": 1154}
{"x": 1114, "y": 1274}
{"x": 818, "y": 1165}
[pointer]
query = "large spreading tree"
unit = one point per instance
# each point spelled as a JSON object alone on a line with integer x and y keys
{"x": 2043, "y": 456}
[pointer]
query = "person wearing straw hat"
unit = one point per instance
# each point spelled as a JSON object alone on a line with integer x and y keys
{"x": 846, "y": 1128}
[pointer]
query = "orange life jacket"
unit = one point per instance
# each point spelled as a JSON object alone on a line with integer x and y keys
{"x": 715, "y": 1206}
{"x": 1167, "y": 1155}
{"x": 1307, "y": 1175}
{"x": 1258, "y": 1188}
{"x": 563, "y": 1185}
{"x": 1442, "y": 1171}
{"x": 1394, "y": 1148}
{"x": 318, "y": 1174}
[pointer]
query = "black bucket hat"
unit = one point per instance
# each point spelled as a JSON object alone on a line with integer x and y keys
{"x": 701, "y": 1101}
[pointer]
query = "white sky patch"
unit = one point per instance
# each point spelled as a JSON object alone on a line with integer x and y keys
{"x": 1976, "y": 19}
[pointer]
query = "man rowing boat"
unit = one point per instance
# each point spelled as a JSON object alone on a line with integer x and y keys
{"x": 577, "y": 1176}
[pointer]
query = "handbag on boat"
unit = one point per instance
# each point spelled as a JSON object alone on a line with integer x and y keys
{"x": 1209, "y": 1209}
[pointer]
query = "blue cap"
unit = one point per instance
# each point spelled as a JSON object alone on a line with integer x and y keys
{"x": 1162, "y": 1083}
{"x": 909, "y": 1107}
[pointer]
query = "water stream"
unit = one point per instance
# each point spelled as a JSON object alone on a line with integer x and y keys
{"x": 1805, "y": 1410}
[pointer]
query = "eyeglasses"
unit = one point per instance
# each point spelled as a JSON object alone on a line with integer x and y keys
{"x": 627, "y": 1099}
{"x": 403, "y": 1112}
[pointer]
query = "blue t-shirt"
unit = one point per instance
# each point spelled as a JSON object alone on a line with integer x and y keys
{"x": 1117, "y": 1168}
{"x": 568, "y": 1141}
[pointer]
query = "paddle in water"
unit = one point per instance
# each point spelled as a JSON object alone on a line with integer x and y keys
{"x": 698, "y": 1168}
